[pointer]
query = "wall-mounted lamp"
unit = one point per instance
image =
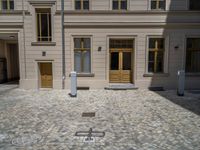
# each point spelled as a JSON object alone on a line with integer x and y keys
{"x": 99, "y": 48}
{"x": 176, "y": 47}
{"x": 43, "y": 53}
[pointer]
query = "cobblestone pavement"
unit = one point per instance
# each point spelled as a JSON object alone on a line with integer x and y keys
{"x": 131, "y": 120}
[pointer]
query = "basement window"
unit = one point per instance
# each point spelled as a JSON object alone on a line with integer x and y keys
{"x": 7, "y": 4}
{"x": 82, "y": 4}
{"x": 157, "y": 4}
{"x": 119, "y": 4}
{"x": 194, "y": 4}
{"x": 44, "y": 29}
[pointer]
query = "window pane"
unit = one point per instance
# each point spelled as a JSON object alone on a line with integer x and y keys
{"x": 4, "y": 5}
{"x": 86, "y": 62}
{"x": 77, "y": 43}
{"x": 159, "y": 67}
{"x": 193, "y": 55}
{"x": 152, "y": 43}
{"x": 44, "y": 26}
{"x": 11, "y": 5}
{"x": 162, "y": 5}
{"x": 114, "y": 61}
{"x": 115, "y": 5}
{"x": 124, "y": 4}
{"x": 151, "y": 56}
{"x": 151, "y": 67}
{"x": 77, "y": 4}
{"x": 86, "y": 42}
{"x": 194, "y": 4}
{"x": 86, "y": 4}
{"x": 38, "y": 27}
{"x": 153, "y": 5}
{"x": 127, "y": 61}
{"x": 77, "y": 61}
{"x": 160, "y": 43}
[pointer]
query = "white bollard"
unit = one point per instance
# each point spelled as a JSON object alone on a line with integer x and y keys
{"x": 73, "y": 84}
{"x": 181, "y": 83}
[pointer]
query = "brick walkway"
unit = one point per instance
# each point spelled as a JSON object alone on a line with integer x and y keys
{"x": 131, "y": 120}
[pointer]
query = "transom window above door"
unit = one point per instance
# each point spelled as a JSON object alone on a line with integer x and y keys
{"x": 193, "y": 55}
{"x": 44, "y": 27}
{"x": 156, "y": 55}
{"x": 157, "y": 4}
{"x": 119, "y": 4}
{"x": 82, "y": 4}
{"x": 7, "y": 4}
{"x": 82, "y": 55}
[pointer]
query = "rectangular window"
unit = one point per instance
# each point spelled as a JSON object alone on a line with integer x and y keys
{"x": 82, "y": 4}
{"x": 194, "y": 4}
{"x": 157, "y": 4}
{"x": 82, "y": 55}
{"x": 119, "y": 4}
{"x": 156, "y": 55}
{"x": 44, "y": 31}
{"x": 193, "y": 55}
{"x": 7, "y": 4}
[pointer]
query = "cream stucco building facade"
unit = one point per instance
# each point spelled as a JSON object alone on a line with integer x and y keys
{"x": 138, "y": 42}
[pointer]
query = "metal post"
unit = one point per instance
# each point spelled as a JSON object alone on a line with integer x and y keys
{"x": 73, "y": 84}
{"x": 63, "y": 44}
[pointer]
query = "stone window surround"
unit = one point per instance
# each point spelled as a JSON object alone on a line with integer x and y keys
{"x": 42, "y": 4}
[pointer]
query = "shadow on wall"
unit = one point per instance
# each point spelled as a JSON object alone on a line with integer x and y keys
{"x": 171, "y": 50}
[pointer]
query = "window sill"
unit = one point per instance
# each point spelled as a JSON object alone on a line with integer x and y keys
{"x": 156, "y": 75}
{"x": 43, "y": 44}
{"x": 84, "y": 75}
{"x": 192, "y": 74}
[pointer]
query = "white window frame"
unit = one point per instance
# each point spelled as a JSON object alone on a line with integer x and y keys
{"x": 166, "y": 54}
{"x": 9, "y": 8}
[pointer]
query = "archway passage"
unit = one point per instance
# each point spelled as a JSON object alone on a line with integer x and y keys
{"x": 9, "y": 58}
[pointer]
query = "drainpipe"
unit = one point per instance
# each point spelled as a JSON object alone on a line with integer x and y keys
{"x": 63, "y": 45}
{"x": 24, "y": 34}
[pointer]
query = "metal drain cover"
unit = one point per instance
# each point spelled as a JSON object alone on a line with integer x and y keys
{"x": 88, "y": 114}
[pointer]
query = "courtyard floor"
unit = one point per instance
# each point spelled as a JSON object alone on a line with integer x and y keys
{"x": 131, "y": 120}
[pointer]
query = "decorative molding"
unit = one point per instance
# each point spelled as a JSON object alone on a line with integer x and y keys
{"x": 42, "y": 2}
{"x": 43, "y": 44}
{"x": 129, "y": 24}
{"x": 122, "y": 12}
{"x": 156, "y": 75}
{"x": 11, "y": 24}
{"x": 13, "y": 12}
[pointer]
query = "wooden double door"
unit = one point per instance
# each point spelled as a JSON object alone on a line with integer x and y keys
{"x": 121, "y": 65}
{"x": 46, "y": 75}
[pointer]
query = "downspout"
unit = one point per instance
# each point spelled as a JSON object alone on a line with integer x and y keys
{"x": 24, "y": 34}
{"x": 63, "y": 45}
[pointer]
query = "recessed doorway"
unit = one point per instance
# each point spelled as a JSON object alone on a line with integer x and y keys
{"x": 45, "y": 75}
{"x": 121, "y": 61}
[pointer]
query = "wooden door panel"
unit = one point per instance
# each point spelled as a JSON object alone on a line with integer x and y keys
{"x": 46, "y": 75}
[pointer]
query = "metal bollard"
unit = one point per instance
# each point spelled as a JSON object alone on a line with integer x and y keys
{"x": 73, "y": 84}
{"x": 181, "y": 83}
